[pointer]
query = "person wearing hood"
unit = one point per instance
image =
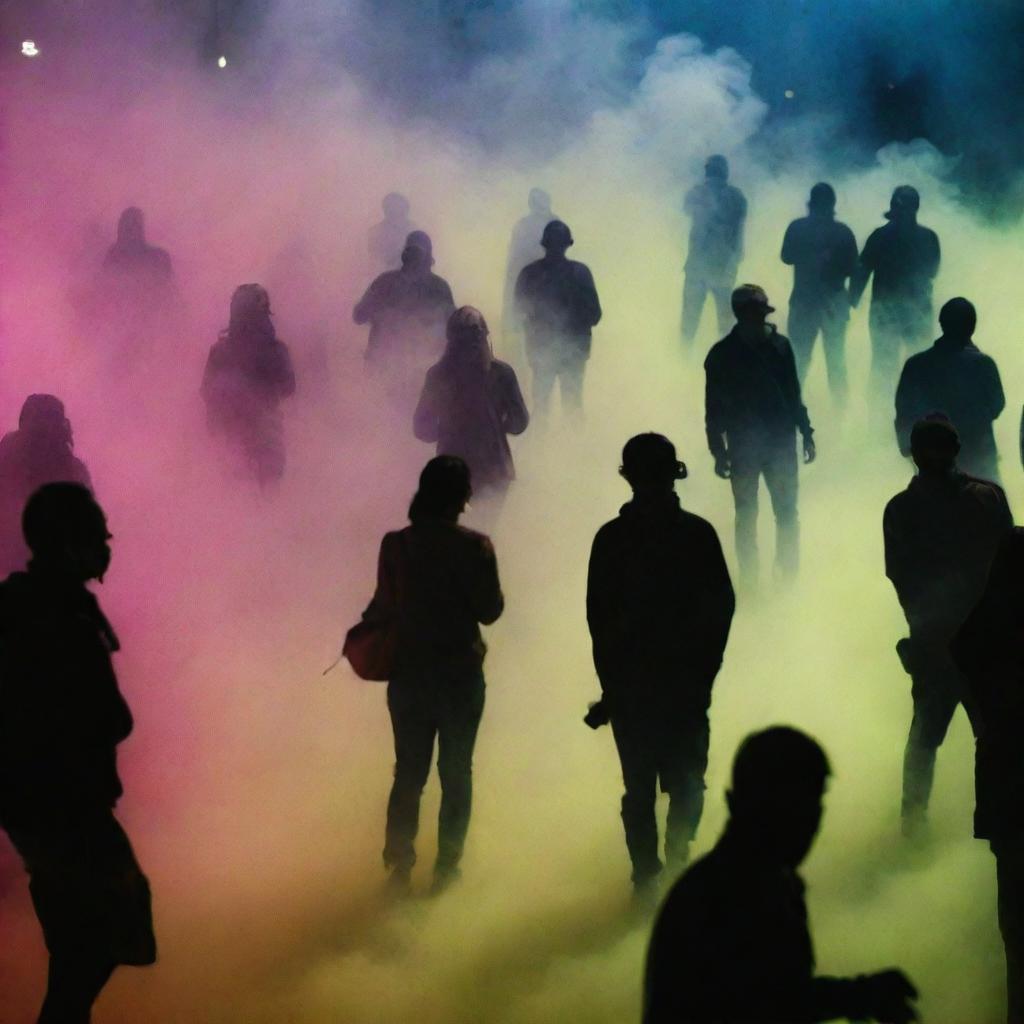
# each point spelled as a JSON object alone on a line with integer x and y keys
{"x": 659, "y": 606}
{"x": 40, "y": 451}
{"x": 132, "y": 255}
{"x": 823, "y": 254}
{"x": 470, "y": 402}
{"x": 248, "y": 373}
{"x": 941, "y": 535}
{"x": 753, "y": 410}
{"x": 524, "y": 248}
{"x": 903, "y": 259}
{"x": 62, "y": 717}
{"x": 387, "y": 239}
{"x": 955, "y": 378}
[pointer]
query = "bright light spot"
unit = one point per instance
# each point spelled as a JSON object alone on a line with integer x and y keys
{"x": 29, "y": 48}
{"x": 222, "y": 62}
{"x": 789, "y": 94}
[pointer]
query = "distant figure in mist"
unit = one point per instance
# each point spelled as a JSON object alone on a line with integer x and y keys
{"x": 718, "y": 213}
{"x": 248, "y": 373}
{"x": 731, "y": 944}
{"x": 753, "y": 410}
{"x": 469, "y": 404}
{"x": 131, "y": 256}
{"x": 941, "y": 535}
{"x": 407, "y": 310}
{"x": 62, "y": 717}
{"x": 953, "y": 377}
{"x": 904, "y": 258}
{"x": 989, "y": 650}
{"x": 557, "y": 301}
{"x": 387, "y": 239}
{"x": 823, "y": 254}
{"x": 436, "y": 581}
{"x": 659, "y": 606}
{"x": 524, "y": 248}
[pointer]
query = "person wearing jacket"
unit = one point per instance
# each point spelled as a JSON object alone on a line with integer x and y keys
{"x": 659, "y": 607}
{"x": 437, "y": 582}
{"x": 753, "y": 410}
{"x": 62, "y": 717}
{"x": 954, "y": 378}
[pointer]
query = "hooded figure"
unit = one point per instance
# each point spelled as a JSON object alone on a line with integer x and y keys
{"x": 470, "y": 402}
{"x": 132, "y": 254}
{"x": 247, "y": 374}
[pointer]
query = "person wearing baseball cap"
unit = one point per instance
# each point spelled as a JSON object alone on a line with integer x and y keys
{"x": 753, "y": 410}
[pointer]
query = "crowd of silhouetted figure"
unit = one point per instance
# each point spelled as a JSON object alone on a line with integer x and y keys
{"x": 731, "y": 941}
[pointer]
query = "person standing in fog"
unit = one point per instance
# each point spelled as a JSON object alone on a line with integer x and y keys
{"x": 659, "y": 607}
{"x": 436, "y": 583}
{"x": 718, "y": 213}
{"x": 823, "y": 254}
{"x": 753, "y": 410}
{"x": 132, "y": 257}
{"x": 524, "y": 248}
{"x": 470, "y": 402}
{"x": 731, "y": 944}
{"x": 387, "y": 239}
{"x": 989, "y": 651}
{"x": 62, "y": 717}
{"x": 941, "y": 535}
{"x": 40, "y": 451}
{"x": 954, "y": 378}
{"x": 248, "y": 373}
{"x": 903, "y": 257}
{"x": 557, "y": 301}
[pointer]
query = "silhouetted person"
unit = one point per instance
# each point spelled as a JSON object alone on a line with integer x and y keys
{"x": 904, "y": 257}
{"x": 387, "y": 239}
{"x": 132, "y": 256}
{"x": 823, "y": 254}
{"x": 989, "y": 650}
{"x": 557, "y": 301}
{"x": 941, "y": 534}
{"x": 954, "y": 378}
{"x": 62, "y": 717}
{"x": 248, "y": 373}
{"x": 436, "y": 582}
{"x": 470, "y": 402}
{"x": 731, "y": 944}
{"x": 524, "y": 248}
{"x": 39, "y": 452}
{"x": 753, "y": 410}
{"x": 407, "y": 310}
{"x": 718, "y": 212}
{"x": 659, "y": 607}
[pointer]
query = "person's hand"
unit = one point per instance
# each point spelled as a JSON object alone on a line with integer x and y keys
{"x": 889, "y": 997}
{"x": 723, "y": 467}
{"x": 810, "y": 451}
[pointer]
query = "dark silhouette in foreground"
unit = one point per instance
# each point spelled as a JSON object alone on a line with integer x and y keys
{"x": 731, "y": 944}
{"x": 61, "y": 719}
{"x": 989, "y": 650}
{"x": 903, "y": 256}
{"x": 823, "y": 254}
{"x": 248, "y": 373}
{"x": 386, "y": 239}
{"x": 659, "y": 607}
{"x": 941, "y": 535}
{"x": 39, "y": 452}
{"x": 436, "y": 582}
{"x": 954, "y": 378}
{"x": 470, "y": 402}
{"x": 524, "y": 248}
{"x": 718, "y": 213}
{"x": 558, "y": 304}
{"x": 753, "y": 409}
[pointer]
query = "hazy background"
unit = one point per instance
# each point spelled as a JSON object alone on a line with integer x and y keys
{"x": 256, "y": 787}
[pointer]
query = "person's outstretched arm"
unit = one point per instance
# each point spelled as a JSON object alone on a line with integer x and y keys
{"x": 485, "y": 596}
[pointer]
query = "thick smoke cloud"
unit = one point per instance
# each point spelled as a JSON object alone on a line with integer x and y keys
{"x": 256, "y": 787}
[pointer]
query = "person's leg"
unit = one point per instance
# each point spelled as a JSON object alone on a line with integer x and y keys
{"x": 833, "y": 331}
{"x": 745, "y": 478}
{"x": 781, "y": 477}
{"x": 73, "y": 985}
{"x": 695, "y": 291}
{"x": 461, "y": 706}
{"x": 802, "y": 326}
{"x": 1009, "y": 853}
{"x": 570, "y": 374}
{"x": 723, "y": 305}
{"x": 884, "y": 323}
{"x": 544, "y": 370}
{"x": 684, "y": 762}
{"x": 640, "y": 780}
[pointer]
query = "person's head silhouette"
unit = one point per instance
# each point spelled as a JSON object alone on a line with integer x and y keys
{"x": 958, "y": 318}
{"x": 556, "y": 238}
{"x": 935, "y": 445}
{"x": 444, "y": 491}
{"x": 66, "y": 531}
{"x": 649, "y": 464}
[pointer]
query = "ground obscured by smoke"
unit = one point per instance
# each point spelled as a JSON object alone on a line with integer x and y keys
{"x": 255, "y": 786}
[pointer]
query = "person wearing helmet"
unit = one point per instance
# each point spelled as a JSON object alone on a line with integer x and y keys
{"x": 718, "y": 213}
{"x": 753, "y": 410}
{"x": 40, "y": 451}
{"x": 524, "y": 247}
{"x": 557, "y": 302}
{"x": 903, "y": 259}
{"x": 469, "y": 404}
{"x": 823, "y": 254}
{"x": 941, "y": 535}
{"x": 407, "y": 310}
{"x": 248, "y": 373}
{"x": 386, "y": 240}
{"x": 659, "y": 607}
{"x": 955, "y": 378}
